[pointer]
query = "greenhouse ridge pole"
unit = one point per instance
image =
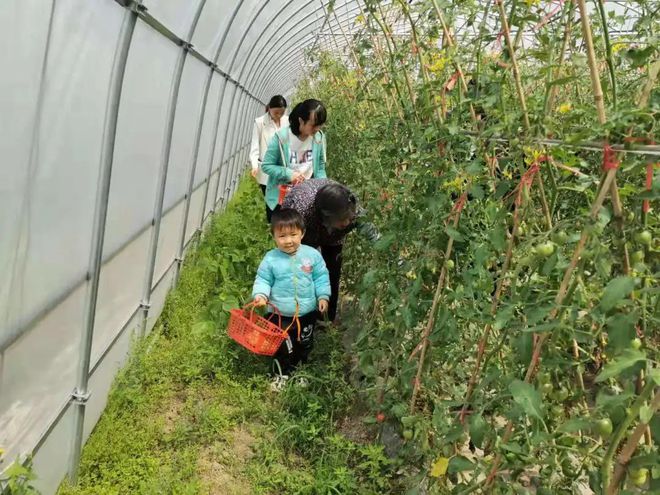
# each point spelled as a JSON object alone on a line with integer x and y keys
{"x": 80, "y": 394}
{"x": 145, "y": 304}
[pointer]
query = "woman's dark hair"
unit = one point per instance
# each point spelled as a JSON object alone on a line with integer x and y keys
{"x": 284, "y": 218}
{"x": 304, "y": 111}
{"x": 276, "y": 101}
{"x": 335, "y": 201}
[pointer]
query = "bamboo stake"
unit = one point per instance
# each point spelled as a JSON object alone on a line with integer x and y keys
{"x": 483, "y": 341}
{"x": 379, "y": 55}
{"x": 450, "y": 43}
{"x": 559, "y": 299}
{"x": 388, "y": 39}
{"x": 610, "y": 486}
{"x": 514, "y": 64}
{"x": 390, "y": 36}
{"x": 431, "y": 321}
{"x": 608, "y": 50}
{"x": 560, "y": 59}
{"x": 422, "y": 65}
{"x": 358, "y": 66}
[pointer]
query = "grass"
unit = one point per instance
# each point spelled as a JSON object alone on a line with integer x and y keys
{"x": 192, "y": 412}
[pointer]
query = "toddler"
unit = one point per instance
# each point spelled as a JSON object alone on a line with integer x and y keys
{"x": 294, "y": 279}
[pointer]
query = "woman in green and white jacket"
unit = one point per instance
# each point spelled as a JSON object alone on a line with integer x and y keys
{"x": 297, "y": 152}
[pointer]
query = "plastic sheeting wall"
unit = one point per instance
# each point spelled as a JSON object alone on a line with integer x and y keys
{"x": 90, "y": 208}
{"x": 57, "y": 66}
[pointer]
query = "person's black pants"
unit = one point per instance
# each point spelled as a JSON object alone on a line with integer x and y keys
{"x": 269, "y": 212}
{"x": 294, "y": 351}
{"x": 333, "y": 258}
{"x": 263, "y": 189}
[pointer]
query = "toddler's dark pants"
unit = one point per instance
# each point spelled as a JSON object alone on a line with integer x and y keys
{"x": 293, "y": 352}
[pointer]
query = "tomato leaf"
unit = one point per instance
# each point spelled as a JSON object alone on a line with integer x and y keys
{"x": 617, "y": 289}
{"x": 459, "y": 463}
{"x": 621, "y": 330}
{"x": 454, "y": 234}
{"x": 527, "y": 397}
{"x": 648, "y": 460}
{"x": 478, "y": 428}
{"x": 573, "y": 425}
{"x": 654, "y": 375}
{"x": 645, "y": 414}
{"x": 628, "y": 358}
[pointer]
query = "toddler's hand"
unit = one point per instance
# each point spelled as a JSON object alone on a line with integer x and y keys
{"x": 253, "y": 172}
{"x": 260, "y": 301}
{"x": 323, "y": 305}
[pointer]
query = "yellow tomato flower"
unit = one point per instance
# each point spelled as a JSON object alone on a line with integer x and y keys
{"x": 564, "y": 108}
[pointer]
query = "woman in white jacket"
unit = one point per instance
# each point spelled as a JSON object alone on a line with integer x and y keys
{"x": 265, "y": 128}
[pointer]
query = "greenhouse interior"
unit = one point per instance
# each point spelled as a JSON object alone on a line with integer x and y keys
{"x": 453, "y": 204}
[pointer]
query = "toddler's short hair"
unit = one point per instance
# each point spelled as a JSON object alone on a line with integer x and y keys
{"x": 286, "y": 217}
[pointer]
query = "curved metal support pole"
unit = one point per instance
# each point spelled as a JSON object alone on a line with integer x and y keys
{"x": 81, "y": 394}
{"x": 145, "y": 304}
{"x": 196, "y": 145}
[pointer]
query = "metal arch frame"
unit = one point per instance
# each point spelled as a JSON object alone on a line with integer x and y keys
{"x": 162, "y": 173}
{"x": 247, "y": 58}
{"x": 289, "y": 69}
{"x": 229, "y": 156}
{"x": 221, "y": 97}
{"x": 228, "y": 138}
{"x": 258, "y": 58}
{"x": 292, "y": 60}
{"x": 257, "y": 69}
{"x": 292, "y": 57}
{"x": 345, "y": 15}
{"x": 80, "y": 394}
{"x": 196, "y": 146}
{"x": 279, "y": 79}
{"x": 294, "y": 44}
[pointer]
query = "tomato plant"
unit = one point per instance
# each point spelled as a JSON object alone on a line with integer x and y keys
{"x": 502, "y": 312}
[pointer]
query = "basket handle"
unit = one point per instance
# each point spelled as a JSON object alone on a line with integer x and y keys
{"x": 251, "y": 305}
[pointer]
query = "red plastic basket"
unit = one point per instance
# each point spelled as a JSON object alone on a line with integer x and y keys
{"x": 255, "y": 332}
{"x": 283, "y": 190}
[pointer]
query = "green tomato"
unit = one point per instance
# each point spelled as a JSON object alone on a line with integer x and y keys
{"x": 449, "y": 264}
{"x": 570, "y": 465}
{"x": 408, "y": 434}
{"x": 637, "y": 256}
{"x": 545, "y": 249}
{"x": 546, "y": 388}
{"x": 639, "y": 476}
{"x": 543, "y": 377}
{"x": 631, "y": 216}
{"x": 604, "y": 427}
{"x": 636, "y": 343}
{"x": 644, "y": 237}
{"x": 560, "y": 237}
{"x": 560, "y": 395}
{"x": 557, "y": 411}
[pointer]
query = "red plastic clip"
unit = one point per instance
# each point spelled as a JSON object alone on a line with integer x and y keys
{"x": 609, "y": 159}
{"x": 646, "y": 205}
